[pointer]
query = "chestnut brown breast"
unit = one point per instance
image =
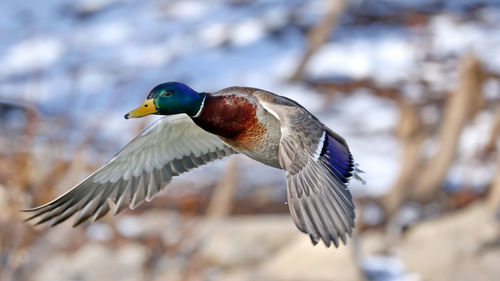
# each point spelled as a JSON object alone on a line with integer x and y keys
{"x": 233, "y": 118}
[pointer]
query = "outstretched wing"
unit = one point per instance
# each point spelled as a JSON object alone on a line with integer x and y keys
{"x": 171, "y": 146}
{"x": 318, "y": 165}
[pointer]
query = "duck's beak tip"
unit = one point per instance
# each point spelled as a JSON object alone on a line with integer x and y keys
{"x": 147, "y": 108}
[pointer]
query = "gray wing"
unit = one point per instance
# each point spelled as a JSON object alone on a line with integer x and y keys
{"x": 171, "y": 146}
{"x": 318, "y": 165}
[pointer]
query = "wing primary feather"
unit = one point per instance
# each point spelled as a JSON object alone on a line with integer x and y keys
{"x": 338, "y": 229}
{"x": 344, "y": 212}
{"x": 294, "y": 206}
{"x": 345, "y": 219}
{"x": 308, "y": 216}
{"x": 99, "y": 204}
{"x": 140, "y": 193}
{"x": 314, "y": 240}
{"x": 197, "y": 160}
{"x": 101, "y": 211}
{"x": 71, "y": 201}
{"x": 68, "y": 212}
{"x": 339, "y": 225}
{"x": 205, "y": 158}
{"x": 123, "y": 199}
{"x": 166, "y": 175}
{"x": 146, "y": 177}
{"x": 48, "y": 215}
{"x": 178, "y": 167}
{"x": 81, "y": 205}
{"x": 346, "y": 205}
{"x": 157, "y": 178}
{"x": 313, "y": 180}
{"x": 58, "y": 201}
{"x": 118, "y": 191}
{"x": 91, "y": 206}
{"x": 213, "y": 155}
{"x": 323, "y": 225}
{"x": 151, "y": 186}
{"x": 188, "y": 163}
{"x": 340, "y": 190}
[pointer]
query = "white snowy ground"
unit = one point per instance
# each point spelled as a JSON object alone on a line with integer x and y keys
{"x": 101, "y": 57}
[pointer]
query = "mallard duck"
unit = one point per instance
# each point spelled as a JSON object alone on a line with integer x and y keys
{"x": 202, "y": 127}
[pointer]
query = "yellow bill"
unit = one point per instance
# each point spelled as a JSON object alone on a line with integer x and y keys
{"x": 147, "y": 108}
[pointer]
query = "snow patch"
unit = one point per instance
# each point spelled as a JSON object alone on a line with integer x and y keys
{"x": 31, "y": 55}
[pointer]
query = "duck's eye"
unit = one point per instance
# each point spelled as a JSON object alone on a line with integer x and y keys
{"x": 167, "y": 94}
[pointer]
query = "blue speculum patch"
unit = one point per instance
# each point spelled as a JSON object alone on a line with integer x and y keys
{"x": 338, "y": 157}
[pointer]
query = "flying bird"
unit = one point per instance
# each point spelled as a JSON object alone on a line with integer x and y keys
{"x": 202, "y": 127}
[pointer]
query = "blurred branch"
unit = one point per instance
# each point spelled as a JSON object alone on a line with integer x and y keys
{"x": 494, "y": 194}
{"x": 218, "y": 208}
{"x": 319, "y": 34}
{"x": 22, "y": 160}
{"x": 495, "y": 133}
{"x": 461, "y": 106}
{"x": 220, "y": 204}
{"x": 412, "y": 134}
{"x": 350, "y": 86}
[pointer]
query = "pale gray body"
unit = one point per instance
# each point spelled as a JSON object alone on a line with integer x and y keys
{"x": 267, "y": 149}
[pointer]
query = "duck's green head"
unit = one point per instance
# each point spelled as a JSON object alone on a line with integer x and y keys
{"x": 169, "y": 98}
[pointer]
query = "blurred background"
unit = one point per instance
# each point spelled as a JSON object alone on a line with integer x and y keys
{"x": 414, "y": 87}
